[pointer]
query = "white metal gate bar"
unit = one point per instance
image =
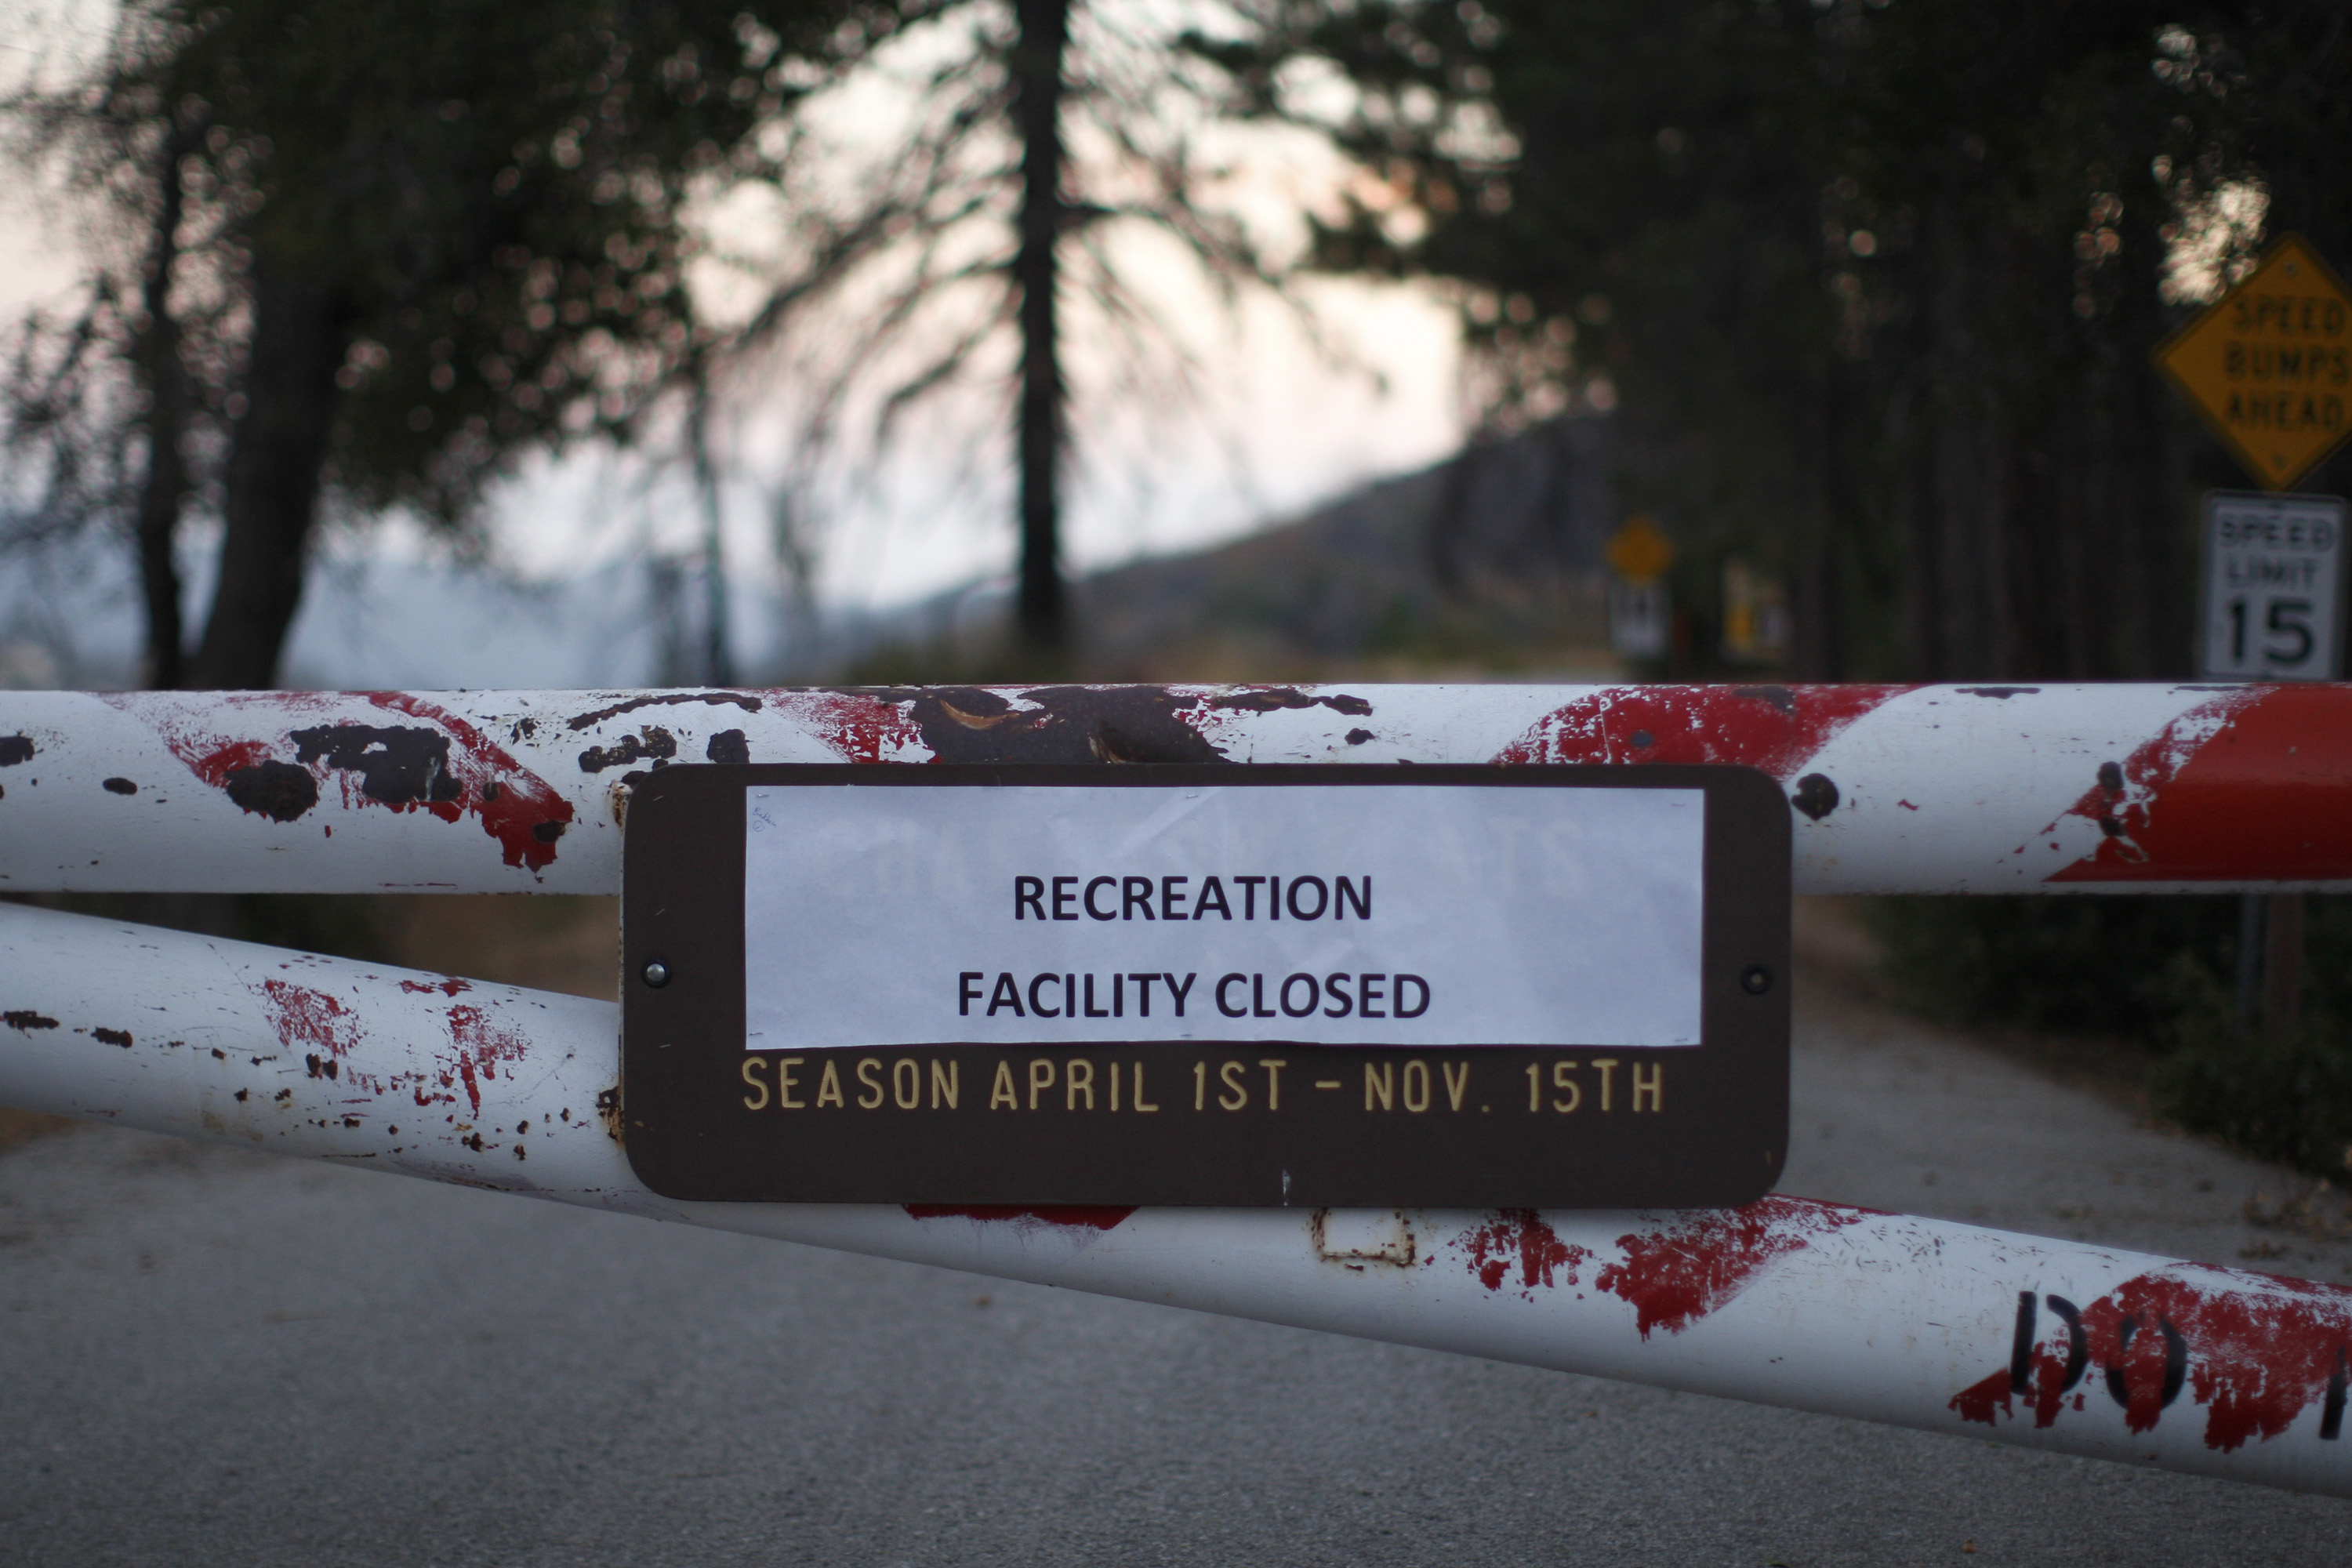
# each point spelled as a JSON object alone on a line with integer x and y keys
{"x": 1922, "y": 1323}
{"x": 1894, "y": 789}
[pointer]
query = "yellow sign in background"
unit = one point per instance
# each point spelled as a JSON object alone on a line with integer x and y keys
{"x": 2270, "y": 365}
{"x": 1638, "y": 552}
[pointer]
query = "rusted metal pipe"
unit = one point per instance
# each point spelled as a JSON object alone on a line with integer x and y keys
{"x": 1894, "y": 789}
{"x": 2047, "y": 1344}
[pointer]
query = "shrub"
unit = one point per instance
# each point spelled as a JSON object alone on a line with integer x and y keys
{"x": 2161, "y": 974}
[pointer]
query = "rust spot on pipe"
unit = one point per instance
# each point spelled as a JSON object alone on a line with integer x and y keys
{"x": 15, "y": 749}
{"x": 279, "y": 790}
{"x": 608, "y": 1112}
{"x": 398, "y": 766}
{"x": 1278, "y": 699}
{"x": 743, "y": 699}
{"x": 652, "y": 743}
{"x": 25, "y": 1020}
{"x": 1816, "y": 796}
{"x": 112, "y": 1036}
{"x": 1398, "y": 1248}
{"x": 118, "y": 786}
{"x": 1065, "y": 724}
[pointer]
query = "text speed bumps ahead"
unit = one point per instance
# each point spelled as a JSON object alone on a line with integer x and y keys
{"x": 1322, "y": 986}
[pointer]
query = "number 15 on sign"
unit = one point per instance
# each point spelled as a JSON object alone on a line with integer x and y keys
{"x": 2273, "y": 586}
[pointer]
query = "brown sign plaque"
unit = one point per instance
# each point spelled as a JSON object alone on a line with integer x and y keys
{"x": 1340, "y": 986}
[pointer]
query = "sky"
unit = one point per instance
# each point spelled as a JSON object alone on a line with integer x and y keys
{"x": 1268, "y": 427}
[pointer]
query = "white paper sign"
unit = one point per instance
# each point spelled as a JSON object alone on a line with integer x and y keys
{"x": 1355, "y": 915}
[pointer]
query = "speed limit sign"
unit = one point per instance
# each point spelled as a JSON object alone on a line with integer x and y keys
{"x": 2273, "y": 586}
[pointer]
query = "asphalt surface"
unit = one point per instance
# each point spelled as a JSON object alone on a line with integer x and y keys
{"x": 210, "y": 1356}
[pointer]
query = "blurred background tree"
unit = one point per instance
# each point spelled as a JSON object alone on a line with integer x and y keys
{"x": 1872, "y": 287}
{"x": 1051, "y": 169}
{"x": 367, "y": 256}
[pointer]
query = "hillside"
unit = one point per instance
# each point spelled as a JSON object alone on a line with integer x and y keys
{"x": 1487, "y": 563}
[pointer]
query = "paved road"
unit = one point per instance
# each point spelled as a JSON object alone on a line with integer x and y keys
{"x": 211, "y": 1356}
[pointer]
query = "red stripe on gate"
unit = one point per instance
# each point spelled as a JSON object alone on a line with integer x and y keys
{"x": 1775, "y": 727}
{"x": 2255, "y": 785}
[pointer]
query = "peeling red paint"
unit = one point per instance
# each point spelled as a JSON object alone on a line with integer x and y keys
{"x": 516, "y": 807}
{"x": 1070, "y": 1215}
{"x": 2259, "y": 1350}
{"x": 1679, "y": 1273}
{"x": 2252, "y": 785}
{"x": 1775, "y": 727}
{"x": 306, "y": 1018}
{"x": 449, "y": 987}
{"x": 1520, "y": 1238}
{"x": 482, "y": 1042}
{"x": 1977, "y": 1401}
{"x": 858, "y": 726}
{"x": 215, "y": 765}
{"x": 2047, "y": 1396}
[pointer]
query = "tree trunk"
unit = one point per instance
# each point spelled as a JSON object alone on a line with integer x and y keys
{"x": 717, "y": 656}
{"x": 1037, "y": 78}
{"x": 166, "y": 483}
{"x": 270, "y": 488}
{"x": 1816, "y": 608}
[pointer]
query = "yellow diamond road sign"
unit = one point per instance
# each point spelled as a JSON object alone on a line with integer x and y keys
{"x": 1638, "y": 552}
{"x": 2270, "y": 365}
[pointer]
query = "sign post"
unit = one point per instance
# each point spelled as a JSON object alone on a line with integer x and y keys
{"x": 2268, "y": 368}
{"x": 1755, "y": 617}
{"x": 1640, "y": 612}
